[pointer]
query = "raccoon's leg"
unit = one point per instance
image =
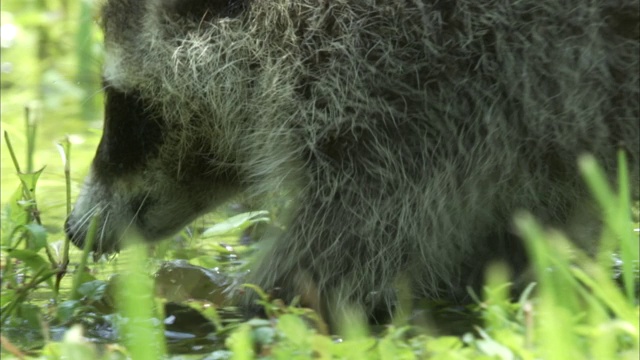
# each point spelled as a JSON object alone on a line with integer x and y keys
{"x": 333, "y": 258}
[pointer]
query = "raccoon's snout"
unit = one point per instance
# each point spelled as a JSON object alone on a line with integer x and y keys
{"x": 78, "y": 236}
{"x": 72, "y": 233}
{"x": 103, "y": 243}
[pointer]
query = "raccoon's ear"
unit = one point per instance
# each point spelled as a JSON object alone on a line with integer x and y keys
{"x": 202, "y": 9}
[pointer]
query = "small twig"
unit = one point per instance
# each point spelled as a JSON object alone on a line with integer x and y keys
{"x": 64, "y": 149}
{"x": 13, "y": 155}
{"x": 8, "y": 346}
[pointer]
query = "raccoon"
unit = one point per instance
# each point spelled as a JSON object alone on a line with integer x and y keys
{"x": 404, "y": 132}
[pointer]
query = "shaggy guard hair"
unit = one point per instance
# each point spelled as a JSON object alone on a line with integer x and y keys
{"x": 406, "y": 132}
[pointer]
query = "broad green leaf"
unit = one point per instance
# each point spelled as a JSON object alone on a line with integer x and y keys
{"x": 36, "y": 263}
{"x": 29, "y": 181}
{"x": 236, "y": 223}
{"x": 38, "y": 236}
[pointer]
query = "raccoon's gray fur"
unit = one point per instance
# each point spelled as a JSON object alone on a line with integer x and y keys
{"x": 406, "y": 132}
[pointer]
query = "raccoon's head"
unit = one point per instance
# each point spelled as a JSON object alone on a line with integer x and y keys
{"x": 159, "y": 163}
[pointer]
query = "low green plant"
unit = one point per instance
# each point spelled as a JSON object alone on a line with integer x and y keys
{"x": 25, "y": 250}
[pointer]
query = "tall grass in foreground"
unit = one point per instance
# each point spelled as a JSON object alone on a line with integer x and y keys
{"x": 142, "y": 330}
{"x": 582, "y": 312}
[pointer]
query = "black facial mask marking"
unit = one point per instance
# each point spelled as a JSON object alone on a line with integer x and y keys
{"x": 132, "y": 133}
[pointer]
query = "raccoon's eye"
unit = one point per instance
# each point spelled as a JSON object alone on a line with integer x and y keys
{"x": 132, "y": 134}
{"x": 203, "y": 9}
